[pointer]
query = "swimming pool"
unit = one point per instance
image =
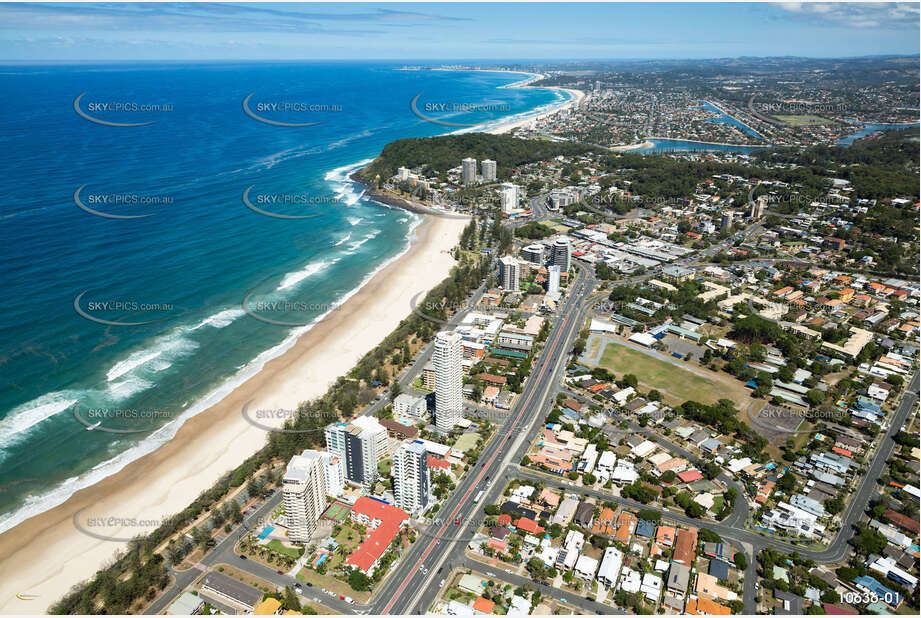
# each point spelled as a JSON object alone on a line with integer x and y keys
{"x": 266, "y": 532}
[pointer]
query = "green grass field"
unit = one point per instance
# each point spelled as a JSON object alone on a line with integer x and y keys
{"x": 276, "y": 545}
{"x": 802, "y": 121}
{"x": 668, "y": 378}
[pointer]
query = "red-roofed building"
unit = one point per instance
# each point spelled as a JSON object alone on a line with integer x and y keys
{"x": 505, "y": 519}
{"x": 484, "y": 605}
{"x": 841, "y": 451}
{"x": 834, "y": 610}
{"x": 497, "y": 545}
{"x": 437, "y": 462}
{"x": 384, "y": 522}
{"x": 685, "y": 546}
{"x": 689, "y": 476}
{"x": 528, "y": 525}
{"x": 902, "y": 521}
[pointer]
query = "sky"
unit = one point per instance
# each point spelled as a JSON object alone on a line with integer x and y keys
{"x": 451, "y": 31}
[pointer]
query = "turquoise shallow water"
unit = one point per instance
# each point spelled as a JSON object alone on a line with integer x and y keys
{"x": 180, "y": 276}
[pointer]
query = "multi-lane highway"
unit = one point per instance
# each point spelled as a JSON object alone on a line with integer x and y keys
{"x": 459, "y": 516}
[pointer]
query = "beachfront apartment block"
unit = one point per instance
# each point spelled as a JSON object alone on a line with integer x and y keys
{"x": 508, "y": 197}
{"x": 304, "y": 491}
{"x": 411, "y": 476}
{"x": 468, "y": 170}
{"x": 562, "y": 254}
{"x": 488, "y": 170}
{"x": 509, "y": 273}
{"x": 333, "y": 474}
{"x": 407, "y": 405}
{"x": 359, "y": 445}
{"x": 446, "y": 357}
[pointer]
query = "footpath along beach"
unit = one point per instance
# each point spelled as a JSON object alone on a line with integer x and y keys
{"x": 46, "y": 555}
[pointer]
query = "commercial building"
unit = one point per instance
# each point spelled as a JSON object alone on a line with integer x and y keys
{"x": 225, "y": 588}
{"x": 304, "y": 491}
{"x": 411, "y": 478}
{"x": 446, "y": 357}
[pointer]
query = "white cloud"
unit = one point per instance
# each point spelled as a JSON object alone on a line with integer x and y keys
{"x": 856, "y": 15}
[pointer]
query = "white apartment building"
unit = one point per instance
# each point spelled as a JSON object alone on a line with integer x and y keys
{"x": 509, "y": 273}
{"x": 488, "y": 170}
{"x": 508, "y": 197}
{"x": 468, "y": 170}
{"x": 304, "y": 491}
{"x": 333, "y": 474}
{"x": 446, "y": 357}
{"x": 407, "y": 405}
{"x": 411, "y": 477}
{"x": 553, "y": 279}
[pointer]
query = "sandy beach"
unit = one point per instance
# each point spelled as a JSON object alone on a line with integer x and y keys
{"x": 576, "y": 97}
{"x": 46, "y": 555}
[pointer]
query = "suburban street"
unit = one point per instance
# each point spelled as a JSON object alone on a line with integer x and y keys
{"x": 417, "y": 577}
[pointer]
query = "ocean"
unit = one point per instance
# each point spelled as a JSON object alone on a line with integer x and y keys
{"x": 146, "y": 203}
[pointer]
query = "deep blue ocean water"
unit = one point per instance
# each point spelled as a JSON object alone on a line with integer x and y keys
{"x": 182, "y": 274}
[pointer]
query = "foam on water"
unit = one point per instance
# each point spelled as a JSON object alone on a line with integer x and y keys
{"x": 29, "y": 414}
{"x": 292, "y": 279}
{"x": 36, "y": 504}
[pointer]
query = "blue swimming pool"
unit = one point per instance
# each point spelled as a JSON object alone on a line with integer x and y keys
{"x": 266, "y": 532}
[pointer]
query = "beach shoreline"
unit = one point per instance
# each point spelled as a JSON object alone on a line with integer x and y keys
{"x": 215, "y": 441}
{"x": 575, "y": 97}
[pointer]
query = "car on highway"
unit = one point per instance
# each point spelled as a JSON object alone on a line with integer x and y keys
{"x": 457, "y": 521}
{"x": 280, "y": 572}
{"x": 242, "y": 557}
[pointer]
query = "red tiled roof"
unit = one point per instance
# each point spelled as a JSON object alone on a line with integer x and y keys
{"x": 437, "y": 462}
{"x": 483, "y": 605}
{"x": 685, "y": 546}
{"x": 689, "y": 476}
{"x": 528, "y": 525}
{"x": 379, "y": 539}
